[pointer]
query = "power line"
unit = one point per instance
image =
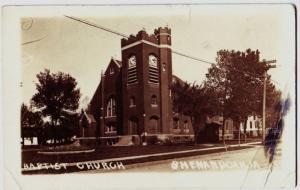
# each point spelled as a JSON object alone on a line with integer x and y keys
{"x": 97, "y": 26}
{"x": 191, "y": 57}
{"x": 126, "y": 36}
{"x": 173, "y": 51}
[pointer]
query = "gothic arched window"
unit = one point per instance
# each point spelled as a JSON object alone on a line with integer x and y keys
{"x": 111, "y": 107}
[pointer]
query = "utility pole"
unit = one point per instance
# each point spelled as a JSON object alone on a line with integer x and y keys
{"x": 264, "y": 108}
{"x": 102, "y": 111}
{"x": 264, "y": 100}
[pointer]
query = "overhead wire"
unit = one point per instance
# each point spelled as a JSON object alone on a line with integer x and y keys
{"x": 173, "y": 51}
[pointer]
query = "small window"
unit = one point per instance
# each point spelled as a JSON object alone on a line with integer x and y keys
{"x": 111, "y": 70}
{"x": 164, "y": 67}
{"x": 154, "y": 100}
{"x": 132, "y": 102}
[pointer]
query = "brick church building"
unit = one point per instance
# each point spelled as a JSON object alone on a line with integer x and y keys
{"x": 134, "y": 96}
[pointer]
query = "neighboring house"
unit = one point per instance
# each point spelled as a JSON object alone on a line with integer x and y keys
{"x": 229, "y": 129}
{"x": 88, "y": 124}
{"x": 213, "y": 129}
{"x": 29, "y": 135}
{"x": 253, "y": 126}
{"x": 134, "y": 95}
{"x": 182, "y": 130}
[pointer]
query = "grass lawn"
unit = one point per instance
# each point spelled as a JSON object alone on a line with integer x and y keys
{"x": 103, "y": 152}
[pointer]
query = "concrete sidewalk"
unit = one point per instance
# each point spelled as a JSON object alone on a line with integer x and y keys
{"x": 139, "y": 166}
{"x": 144, "y": 158}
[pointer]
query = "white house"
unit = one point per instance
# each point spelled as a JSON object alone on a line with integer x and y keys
{"x": 253, "y": 126}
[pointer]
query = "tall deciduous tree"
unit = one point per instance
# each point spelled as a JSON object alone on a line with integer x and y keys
{"x": 57, "y": 96}
{"x": 236, "y": 80}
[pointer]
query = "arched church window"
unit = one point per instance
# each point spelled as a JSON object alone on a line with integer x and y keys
{"x": 111, "y": 107}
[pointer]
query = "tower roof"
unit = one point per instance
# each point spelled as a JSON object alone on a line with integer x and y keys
{"x": 143, "y": 35}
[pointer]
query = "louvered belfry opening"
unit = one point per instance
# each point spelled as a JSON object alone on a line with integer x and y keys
{"x": 132, "y": 75}
{"x": 132, "y": 71}
{"x": 153, "y": 69}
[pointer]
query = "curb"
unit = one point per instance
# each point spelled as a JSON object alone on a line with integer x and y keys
{"x": 66, "y": 152}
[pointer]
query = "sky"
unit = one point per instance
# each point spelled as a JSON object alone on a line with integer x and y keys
{"x": 197, "y": 30}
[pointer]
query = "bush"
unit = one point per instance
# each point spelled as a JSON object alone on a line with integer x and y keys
{"x": 163, "y": 139}
{"x": 151, "y": 139}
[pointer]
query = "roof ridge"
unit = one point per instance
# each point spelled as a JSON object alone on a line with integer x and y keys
{"x": 117, "y": 62}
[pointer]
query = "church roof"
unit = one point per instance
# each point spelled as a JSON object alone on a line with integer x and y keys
{"x": 117, "y": 62}
{"x": 88, "y": 116}
{"x": 91, "y": 118}
{"x": 177, "y": 79}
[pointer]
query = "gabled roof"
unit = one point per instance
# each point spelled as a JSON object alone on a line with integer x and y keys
{"x": 117, "y": 62}
{"x": 177, "y": 79}
{"x": 91, "y": 118}
{"x": 215, "y": 119}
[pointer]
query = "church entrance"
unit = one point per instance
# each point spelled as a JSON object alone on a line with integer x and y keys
{"x": 133, "y": 126}
{"x": 153, "y": 127}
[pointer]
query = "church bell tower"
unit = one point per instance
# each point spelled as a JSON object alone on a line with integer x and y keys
{"x": 146, "y": 83}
